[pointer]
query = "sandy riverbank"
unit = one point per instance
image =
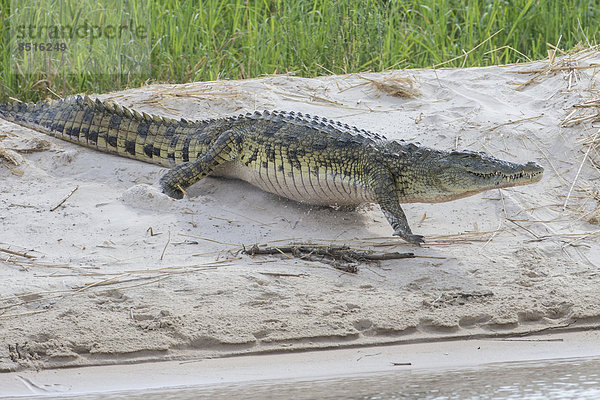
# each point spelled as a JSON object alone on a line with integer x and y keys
{"x": 304, "y": 371}
{"x": 119, "y": 273}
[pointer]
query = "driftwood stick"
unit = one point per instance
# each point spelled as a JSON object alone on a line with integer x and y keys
{"x": 341, "y": 257}
{"x": 337, "y": 251}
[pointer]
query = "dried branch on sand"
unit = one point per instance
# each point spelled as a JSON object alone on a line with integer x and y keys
{"x": 341, "y": 257}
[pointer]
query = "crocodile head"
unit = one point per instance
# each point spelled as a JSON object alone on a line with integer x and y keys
{"x": 457, "y": 174}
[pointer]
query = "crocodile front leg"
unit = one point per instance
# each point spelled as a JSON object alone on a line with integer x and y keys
{"x": 382, "y": 184}
{"x": 179, "y": 178}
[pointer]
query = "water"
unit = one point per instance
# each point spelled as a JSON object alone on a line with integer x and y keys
{"x": 557, "y": 379}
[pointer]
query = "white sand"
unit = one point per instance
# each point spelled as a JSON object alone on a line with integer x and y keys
{"x": 100, "y": 289}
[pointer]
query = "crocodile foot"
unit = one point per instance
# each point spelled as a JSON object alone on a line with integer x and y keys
{"x": 410, "y": 238}
{"x": 169, "y": 190}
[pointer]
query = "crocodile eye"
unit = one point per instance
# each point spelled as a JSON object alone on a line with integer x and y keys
{"x": 467, "y": 154}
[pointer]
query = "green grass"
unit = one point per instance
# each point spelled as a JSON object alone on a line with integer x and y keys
{"x": 234, "y": 39}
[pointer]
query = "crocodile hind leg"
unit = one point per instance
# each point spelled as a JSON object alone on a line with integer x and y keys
{"x": 179, "y": 178}
{"x": 384, "y": 188}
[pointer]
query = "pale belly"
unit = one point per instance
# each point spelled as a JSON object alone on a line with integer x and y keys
{"x": 321, "y": 189}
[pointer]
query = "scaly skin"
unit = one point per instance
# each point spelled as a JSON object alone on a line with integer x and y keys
{"x": 307, "y": 159}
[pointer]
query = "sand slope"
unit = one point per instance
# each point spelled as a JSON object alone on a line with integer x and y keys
{"x": 121, "y": 273}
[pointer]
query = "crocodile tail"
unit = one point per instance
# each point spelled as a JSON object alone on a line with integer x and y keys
{"x": 105, "y": 126}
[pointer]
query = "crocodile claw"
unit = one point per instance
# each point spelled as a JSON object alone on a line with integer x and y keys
{"x": 173, "y": 192}
{"x": 410, "y": 238}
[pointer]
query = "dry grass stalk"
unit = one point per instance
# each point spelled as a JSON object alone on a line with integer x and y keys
{"x": 11, "y": 156}
{"x": 30, "y": 145}
{"x": 162, "y": 255}
{"x": 396, "y": 86}
{"x": 589, "y": 110}
{"x": 580, "y": 167}
{"x": 466, "y": 53}
{"x": 60, "y": 203}
{"x": 22, "y": 314}
{"x": 511, "y": 49}
{"x": 16, "y": 253}
{"x": 514, "y": 122}
{"x": 465, "y": 237}
{"x": 567, "y": 62}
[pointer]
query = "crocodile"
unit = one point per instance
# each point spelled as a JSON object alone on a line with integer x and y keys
{"x": 305, "y": 158}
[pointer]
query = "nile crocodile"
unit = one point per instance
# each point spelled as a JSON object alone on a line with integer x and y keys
{"x": 304, "y": 158}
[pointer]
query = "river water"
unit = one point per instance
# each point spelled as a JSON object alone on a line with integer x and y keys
{"x": 552, "y": 379}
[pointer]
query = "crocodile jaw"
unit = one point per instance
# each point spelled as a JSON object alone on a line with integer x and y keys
{"x": 458, "y": 181}
{"x": 440, "y": 176}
